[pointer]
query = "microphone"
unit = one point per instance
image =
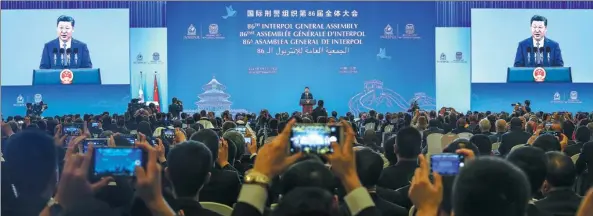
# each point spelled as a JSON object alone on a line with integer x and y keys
{"x": 55, "y": 51}
{"x": 68, "y": 51}
{"x": 541, "y": 55}
{"x": 62, "y": 55}
{"x": 548, "y": 50}
{"x": 528, "y": 55}
{"x": 75, "y": 56}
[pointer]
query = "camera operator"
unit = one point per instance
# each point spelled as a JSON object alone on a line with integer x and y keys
{"x": 175, "y": 108}
{"x": 521, "y": 110}
{"x": 36, "y": 109}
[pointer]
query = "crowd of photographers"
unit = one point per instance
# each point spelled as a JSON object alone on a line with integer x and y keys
{"x": 243, "y": 161}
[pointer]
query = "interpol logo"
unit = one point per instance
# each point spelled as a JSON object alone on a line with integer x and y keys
{"x": 388, "y": 33}
{"x": 139, "y": 59}
{"x": 192, "y": 33}
{"x": 442, "y": 58}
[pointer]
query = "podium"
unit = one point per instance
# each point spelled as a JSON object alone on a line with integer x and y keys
{"x": 539, "y": 74}
{"x": 307, "y": 105}
{"x": 79, "y": 76}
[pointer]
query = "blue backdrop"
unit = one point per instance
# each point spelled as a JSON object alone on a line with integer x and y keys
{"x": 202, "y": 44}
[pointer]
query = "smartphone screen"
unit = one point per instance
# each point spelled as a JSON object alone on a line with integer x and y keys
{"x": 247, "y": 143}
{"x": 446, "y": 164}
{"x": 169, "y": 134}
{"x": 314, "y": 138}
{"x": 116, "y": 161}
{"x": 96, "y": 142}
{"x": 72, "y": 129}
{"x": 241, "y": 129}
{"x": 94, "y": 124}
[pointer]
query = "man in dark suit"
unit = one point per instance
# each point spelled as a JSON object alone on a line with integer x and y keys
{"x": 538, "y": 50}
{"x": 582, "y": 136}
{"x": 407, "y": 148}
{"x": 307, "y": 96}
{"x": 369, "y": 166}
{"x": 65, "y": 51}
{"x": 224, "y": 184}
{"x": 560, "y": 199}
{"x": 460, "y": 127}
{"x": 514, "y": 137}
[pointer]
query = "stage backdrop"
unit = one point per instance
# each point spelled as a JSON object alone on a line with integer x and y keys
{"x": 148, "y": 53}
{"x": 453, "y": 70}
{"x": 355, "y": 56}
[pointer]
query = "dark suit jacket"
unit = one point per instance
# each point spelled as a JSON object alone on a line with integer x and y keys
{"x": 533, "y": 210}
{"x": 83, "y": 57}
{"x": 511, "y": 139}
{"x": 388, "y": 208}
{"x": 223, "y": 187}
{"x": 306, "y": 96}
{"x": 244, "y": 209}
{"x": 398, "y": 175}
{"x": 494, "y": 138}
{"x": 585, "y": 158}
{"x": 573, "y": 149}
{"x": 317, "y": 112}
{"x": 554, "y": 59}
{"x": 563, "y": 202}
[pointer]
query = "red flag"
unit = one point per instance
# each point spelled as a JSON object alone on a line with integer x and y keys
{"x": 155, "y": 93}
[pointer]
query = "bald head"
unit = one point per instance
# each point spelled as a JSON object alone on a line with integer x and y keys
{"x": 501, "y": 125}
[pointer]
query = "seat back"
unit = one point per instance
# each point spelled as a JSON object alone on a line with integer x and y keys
{"x": 433, "y": 143}
{"x": 448, "y": 139}
{"x": 465, "y": 135}
{"x": 495, "y": 146}
{"x": 221, "y": 209}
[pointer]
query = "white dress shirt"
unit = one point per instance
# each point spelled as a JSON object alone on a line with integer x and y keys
{"x": 68, "y": 44}
{"x": 541, "y": 43}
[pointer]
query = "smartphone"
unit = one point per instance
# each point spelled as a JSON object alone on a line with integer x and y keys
{"x": 241, "y": 129}
{"x": 95, "y": 124}
{"x": 117, "y": 161}
{"x": 131, "y": 138}
{"x": 152, "y": 141}
{"x": 96, "y": 142}
{"x": 72, "y": 129}
{"x": 169, "y": 134}
{"x": 314, "y": 138}
{"x": 548, "y": 126}
{"x": 67, "y": 141}
{"x": 446, "y": 164}
{"x": 247, "y": 143}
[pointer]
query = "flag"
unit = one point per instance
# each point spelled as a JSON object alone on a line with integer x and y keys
{"x": 155, "y": 93}
{"x": 140, "y": 89}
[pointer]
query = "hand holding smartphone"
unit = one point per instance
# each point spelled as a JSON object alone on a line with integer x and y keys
{"x": 117, "y": 161}
{"x": 446, "y": 164}
{"x": 96, "y": 142}
{"x": 72, "y": 129}
{"x": 314, "y": 138}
